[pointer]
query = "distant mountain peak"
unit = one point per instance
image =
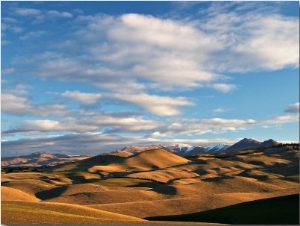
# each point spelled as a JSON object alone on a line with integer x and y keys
{"x": 269, "y": 143}
{"x": 248, "y": 140}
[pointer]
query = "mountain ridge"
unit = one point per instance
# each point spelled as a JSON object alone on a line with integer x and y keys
{"x": 180, "y": 149}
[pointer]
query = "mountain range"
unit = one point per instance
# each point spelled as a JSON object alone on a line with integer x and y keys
{"x": 187, "y": 150}
{"x": 43, "y": 158}
{"x": 39, "y": 159}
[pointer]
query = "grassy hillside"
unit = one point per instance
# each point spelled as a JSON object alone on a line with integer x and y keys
{"x": 12, "y": 194}
{"x": 278, "y": 210}
{"x": 57, "y": 213}
{"x": 156, "y": 183}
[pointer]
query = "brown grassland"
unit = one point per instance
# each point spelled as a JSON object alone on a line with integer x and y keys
{"x": 112, "y": 188}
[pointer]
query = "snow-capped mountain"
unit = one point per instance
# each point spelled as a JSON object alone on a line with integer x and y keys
{"x": 186, "y": 149}
{"x": 216, "y": 148}
{"x": 183, "y": 149}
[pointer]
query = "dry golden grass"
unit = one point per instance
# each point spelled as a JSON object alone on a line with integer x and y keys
{"x": 188, "y": 204}
{"x": 56, "y": 213}
{"x": 12, "y": 194}
{"x": 164, "y": 175}
{"x": 154, "y": 159}
{"x": 48, "y": 178}
{"x": 144, "y": 161}
{"x": 263, "y": 160}
{"x": 151, "y": 183}
{"x": 108, "y": 196}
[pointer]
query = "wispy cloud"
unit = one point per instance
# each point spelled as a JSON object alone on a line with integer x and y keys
{"x": 55, "y": 13}
{"x": 27, "y": 11}
{"x": 6, "y": 71}
{"x": 32, "y": 34}
{"x": 83, "y": 98}
{"x": 123, "y": 48}
{"x": 40, "y": 15}
{"x": 159, "y": 105}
{"x": 222, "y": 87}
{"x": 219, "y": 110}
{"x": 19, "y": 105}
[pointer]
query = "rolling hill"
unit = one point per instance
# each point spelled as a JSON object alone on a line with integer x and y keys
{"x": 153, "y": 183}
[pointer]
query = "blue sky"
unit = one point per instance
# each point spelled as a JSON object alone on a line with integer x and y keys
{"x": 92, "y": 77}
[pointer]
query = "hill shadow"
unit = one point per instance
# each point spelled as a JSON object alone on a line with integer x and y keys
{"x": 52, "y": 193}
{"x": 165, "y": 190}
{"x": 283, "y": 210}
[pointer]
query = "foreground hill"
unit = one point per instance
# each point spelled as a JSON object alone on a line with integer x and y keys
{"x": 57, "y": 213}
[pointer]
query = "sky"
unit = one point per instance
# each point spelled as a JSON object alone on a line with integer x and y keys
{"x": 93, "y": 77}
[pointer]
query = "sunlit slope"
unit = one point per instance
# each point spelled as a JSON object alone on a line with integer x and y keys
{"x": 32, "y": 182}
{"x": 57, "y": 213}
{"x": 12, "y": 194}
{"x": 164, "y": 175}
{"x": 147, "y": 160}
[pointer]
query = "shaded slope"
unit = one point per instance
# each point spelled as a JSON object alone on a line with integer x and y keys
{"x": 245, "y": 143}
{"x": 278, "y": 210}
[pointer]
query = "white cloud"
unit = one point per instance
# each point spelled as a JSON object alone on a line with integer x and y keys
{"x": 68, "y": 124}
{"x": 293, "y": 108}
{"x": 84, "y": 98}
{"x": 159, "y": 105}
{"x": 32, "y": 34}
{"x": 225, "y": 88}
{"x": 219, "y": 110}
{"x": 27, "y": 11}
{"x": 150, "y": 51}
{"x": 87, "y": 122}
{"x": 56, "y": 13}
{"x": 282, "y": 119}
{"x": 202, "y": 126}
{"x": 17, "y": 105}
{"x": 6, "y": 71}
{"x": 126, "y": 49}
{"x": 254, "y": 41}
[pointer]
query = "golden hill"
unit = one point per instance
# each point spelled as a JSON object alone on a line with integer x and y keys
{"x": 147, "y": 160}
{"x": 12, "y": 194}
